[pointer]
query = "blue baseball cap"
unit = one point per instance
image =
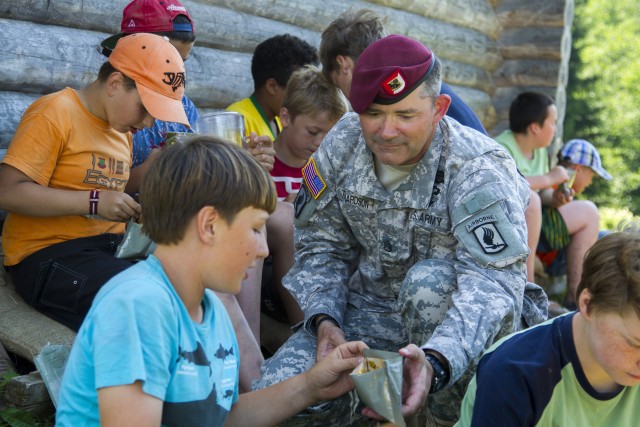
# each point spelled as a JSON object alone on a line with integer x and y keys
{"x": 582, "y": 152}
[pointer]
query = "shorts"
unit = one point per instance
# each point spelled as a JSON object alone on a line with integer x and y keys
{"x": 554, "y": 238}
{"x": 62, "y": 279}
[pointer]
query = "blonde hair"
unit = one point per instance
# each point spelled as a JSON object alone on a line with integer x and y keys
{"x": 202, "y": 171}
{"x": 310, "y": 93}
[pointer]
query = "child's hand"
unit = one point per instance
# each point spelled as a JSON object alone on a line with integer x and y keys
{"x": 557, "y": 176}
{"x": 560, "y": 197}
{"x": 329, "y": 378}
{"x": 117, "y": 206}
{"x": 261, "y": 148}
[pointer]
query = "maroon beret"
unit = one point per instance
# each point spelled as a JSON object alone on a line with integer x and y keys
{"x": 389, "y": 70}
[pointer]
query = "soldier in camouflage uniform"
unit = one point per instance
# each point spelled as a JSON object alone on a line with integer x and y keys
{"x": 409, "y": 228}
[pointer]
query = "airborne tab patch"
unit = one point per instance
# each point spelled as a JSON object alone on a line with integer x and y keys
{"x": 313, "y": 179}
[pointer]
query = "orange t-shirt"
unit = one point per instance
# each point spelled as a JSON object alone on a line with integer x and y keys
{"x": 59, "y": 144}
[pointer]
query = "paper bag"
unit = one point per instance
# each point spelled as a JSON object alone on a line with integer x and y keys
{"x": 378, "y": 381}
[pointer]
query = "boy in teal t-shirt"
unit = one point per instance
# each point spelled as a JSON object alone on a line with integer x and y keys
{"x": 157, "y": 346}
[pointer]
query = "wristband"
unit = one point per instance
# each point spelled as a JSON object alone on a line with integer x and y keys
{"x": 94, "y": 196}
{"x": 327, "y": 319}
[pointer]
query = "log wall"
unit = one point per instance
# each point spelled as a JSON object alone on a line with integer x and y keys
{"x": 491, "y": 49}
{"x": 535, "y": 45}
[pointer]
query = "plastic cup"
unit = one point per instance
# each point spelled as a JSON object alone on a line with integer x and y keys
{"x": 225, "y": 124}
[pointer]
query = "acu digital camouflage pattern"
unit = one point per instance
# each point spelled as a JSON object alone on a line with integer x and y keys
{"x": 439, "y": 261}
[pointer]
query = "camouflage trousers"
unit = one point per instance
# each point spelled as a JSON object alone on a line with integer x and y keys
{"x": 424, "y": 298}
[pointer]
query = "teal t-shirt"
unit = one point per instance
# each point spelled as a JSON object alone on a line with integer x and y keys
{"x": 537, "y": 166}
{"x": 138, "y": 329}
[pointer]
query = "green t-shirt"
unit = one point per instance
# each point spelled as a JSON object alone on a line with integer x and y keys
{"x": 537, "y": 166}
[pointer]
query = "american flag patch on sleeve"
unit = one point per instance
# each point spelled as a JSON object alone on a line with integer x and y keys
{"x": 312, "y": 178}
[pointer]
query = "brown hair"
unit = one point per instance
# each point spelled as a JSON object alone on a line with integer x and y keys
{"x": 349, "y": 35}
{"x": 201, "y": 171}
{"x": 107, "y": 69}
{"x": 309, "y": 93}
{"x": 611, "y": 272}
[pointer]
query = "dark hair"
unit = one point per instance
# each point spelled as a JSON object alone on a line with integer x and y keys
{"x": 528, "y": 108}
{"x": 611, "y": 272}
{"x": 349, "y": 35}
{"x": 107, "y": 69}
{"x": 278, "y": 57}
{"x": 180, "y": 36}
{"x": 201, "y": 171}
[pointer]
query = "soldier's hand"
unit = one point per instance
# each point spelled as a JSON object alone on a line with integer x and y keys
{"x": 329, "y": 337}
{"x": 414, "y": 383}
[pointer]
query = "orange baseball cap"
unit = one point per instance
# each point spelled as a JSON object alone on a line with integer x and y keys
{"x": 158, "y": 70}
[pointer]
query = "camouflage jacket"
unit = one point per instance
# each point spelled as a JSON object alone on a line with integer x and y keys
{"x": 464, "y": 201}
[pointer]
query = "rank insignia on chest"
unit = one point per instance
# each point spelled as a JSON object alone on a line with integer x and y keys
{"x": 489, "y": 238}
{"x": 313, "y": 179}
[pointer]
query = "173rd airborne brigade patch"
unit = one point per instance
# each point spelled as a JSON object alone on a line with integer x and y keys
{"x": 483, "y": 228}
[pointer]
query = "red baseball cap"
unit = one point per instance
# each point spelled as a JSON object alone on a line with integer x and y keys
{"x": 388, "y": 70}
{"x": 150, "y": 16}
{"x": 158, "y": 70}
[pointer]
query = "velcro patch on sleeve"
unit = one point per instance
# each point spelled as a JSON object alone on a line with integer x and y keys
{"x": 312, "y": 178}
{"x": 489, "y": 236}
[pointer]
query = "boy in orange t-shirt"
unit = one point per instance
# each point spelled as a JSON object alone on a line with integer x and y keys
{"x": 62, "y": 180}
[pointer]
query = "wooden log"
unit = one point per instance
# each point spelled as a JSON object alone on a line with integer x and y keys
{"x": 504, "y": 96}
{"x": 527, "y": 13}
{"x": 459, "y": 74}
{"x": 29, "y": 393}
{"x": 12, "y": 105}
{"x": 57, "y": 57}
{"x": 465, "y": 46}
{"x": 226, "y": 29}
{"x": 51, "y": 58}
{"x": 478, "y": 15}
{"x": 26, "y": 390}
{"x": 217, "y": 78}
{"x": 450, "y": 42}
{"x": 532, "y": 43}
{"x": 216, "y": 27}
{"x": 527, "y": 72}
{"x": 480, "y": 103}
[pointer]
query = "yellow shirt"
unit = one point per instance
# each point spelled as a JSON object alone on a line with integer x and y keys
{"x": 59, "y": 144}
{"x": 254, "y": 119}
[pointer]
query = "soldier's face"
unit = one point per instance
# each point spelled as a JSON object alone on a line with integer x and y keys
{"x": 400, "y": 133}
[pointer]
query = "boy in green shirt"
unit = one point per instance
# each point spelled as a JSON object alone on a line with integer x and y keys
{"x": 554, "y": 219}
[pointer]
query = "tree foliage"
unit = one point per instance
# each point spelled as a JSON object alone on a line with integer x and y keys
{"x": 604, "y": 95}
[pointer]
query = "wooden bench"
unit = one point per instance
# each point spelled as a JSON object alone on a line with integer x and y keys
{"x": 24, "y": 331}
